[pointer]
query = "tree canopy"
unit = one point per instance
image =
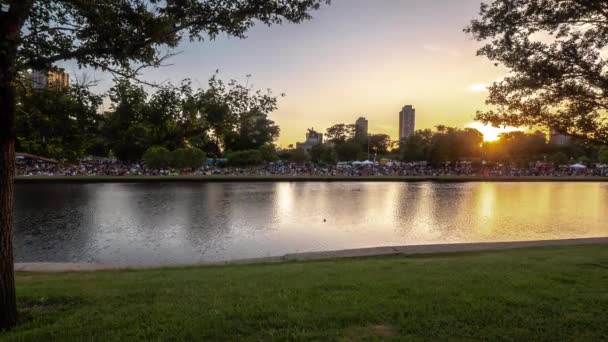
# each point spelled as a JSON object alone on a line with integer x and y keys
{"x": 118, "y": 36}
{"x": 555, "y": 51}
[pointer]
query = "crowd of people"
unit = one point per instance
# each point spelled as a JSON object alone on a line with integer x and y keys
{"x": 113, "y": 167}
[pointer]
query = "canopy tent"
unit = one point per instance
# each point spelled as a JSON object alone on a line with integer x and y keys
{"x": 367, "y": 162}
{"x": 578, "y": 166}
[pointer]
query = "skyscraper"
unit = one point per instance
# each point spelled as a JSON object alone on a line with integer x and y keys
{"x": 361, "y": 129}
{"x": 407, "y": 122}
{"x": 56, "y": 79}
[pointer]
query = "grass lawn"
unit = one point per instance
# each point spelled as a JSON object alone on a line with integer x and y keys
{"x": 552, "y": 293}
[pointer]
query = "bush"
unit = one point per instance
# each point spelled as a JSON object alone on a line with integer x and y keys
{"x": 300, "y": 156}
{"x": 559, "y": 158}
{"x": 603, "y": 155}
{"x": 268, "y": 153}
{"x": 188, "y": 158}
{"x": 244, "y": 158}
{"x": 157, "y": 157}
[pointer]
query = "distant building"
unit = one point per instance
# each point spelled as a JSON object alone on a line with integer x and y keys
{"x": 51, "y": 79}
{"x": 557, "y": 138}
{"x": 313, "y": 138}
{"x": 361, "y": 128}
{"x": 407, "y": 122}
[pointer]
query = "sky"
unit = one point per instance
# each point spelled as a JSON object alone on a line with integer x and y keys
{"x": 354, "y": 58}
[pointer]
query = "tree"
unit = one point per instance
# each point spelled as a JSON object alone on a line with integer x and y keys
{"x": 348, "y": 151}
{"x": 559, "y": 81}
{"x": 379, "y": 143}
{"x": 187, "y": 158}
{"x": 269, "y": 153}
{"x": 340, "y": 133}
{"x": 58, "y": 123}
{"x": 157, "y": 158}
{"x": 121, "y": 37}
{"x": 522, "y": 147}
{"x": 559, "y": 158}
{"x": 299, "y": 155}
{"x": 417, "y": 147}
{"x": 244, "y": 158}
{"x": 316, "y": 152}
{"x": 603, "y": 155}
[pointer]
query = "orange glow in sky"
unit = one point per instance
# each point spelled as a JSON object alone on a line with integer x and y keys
{"x": 489, "y": 132}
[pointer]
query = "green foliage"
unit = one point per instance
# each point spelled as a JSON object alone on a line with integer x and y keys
{"x": 61, "y": 124}
{"x": 417, "y": 146}
{"x": 123, "y": 35}
{"x": 328, "y": 156}
{"x": 559, "y": 81}
{"x": 379, "y": 144}
{"x": 299, "y": 156}
{"x": 603, "y": 155}
{"x": 157, "y": 158}
{"x": 559, "y": 158}
{"x": 348, "y": 151}
{"x": 187, "y": 158}
{"x": 446, "y": 144}
{"x": 340, "y": 134}
{"x": 268, "y": 153}
{"x": 244, "y": 158}
{"x": 519, "y": 147}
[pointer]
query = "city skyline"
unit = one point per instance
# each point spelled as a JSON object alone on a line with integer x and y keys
{"x": 416, "y": 54}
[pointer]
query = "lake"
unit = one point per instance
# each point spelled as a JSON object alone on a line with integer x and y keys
{"x": 178, "y": 223}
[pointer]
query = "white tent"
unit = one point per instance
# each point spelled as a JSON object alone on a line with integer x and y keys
{"x": 578, "y": 166}
{"x": 367, "y": 162}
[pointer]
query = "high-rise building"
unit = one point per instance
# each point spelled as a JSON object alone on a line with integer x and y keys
{"x": 51, "y": 79}
{"x": 313, "y": 138}
{"x": 361, "y": 128}
{"x": 407, "y": 122}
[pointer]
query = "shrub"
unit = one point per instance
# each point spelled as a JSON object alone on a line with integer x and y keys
{"x": 244, "y": 158}
{"x": 187, "y": 158}
{"x": 157, "y": 157}
{"x": 268, "y": 153}
{"x": 300, "y": 156}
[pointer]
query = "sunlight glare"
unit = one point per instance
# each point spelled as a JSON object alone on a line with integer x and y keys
{"x": 491, "y": 133}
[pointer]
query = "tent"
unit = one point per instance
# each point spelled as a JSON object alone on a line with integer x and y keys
{"x": 578, "y": 166}
{"x": 367, "y": 162}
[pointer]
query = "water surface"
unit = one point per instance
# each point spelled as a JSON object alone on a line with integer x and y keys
{"x": 172, "y": 223}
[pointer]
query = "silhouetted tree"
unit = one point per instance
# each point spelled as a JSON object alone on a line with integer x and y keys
{"x": 119, "y": 36}
{"x": 558, "y": 76}
{"x": 340, "y": 133}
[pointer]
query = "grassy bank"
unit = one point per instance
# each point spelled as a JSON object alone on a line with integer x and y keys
{"x": 278, "y": 178}
{"x": 551, "y": 293}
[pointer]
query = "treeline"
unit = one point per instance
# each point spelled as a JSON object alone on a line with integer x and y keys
{"x": 67, "y": 124}
{"x": 448, "y": 144}
{"x": 178, "y": 126}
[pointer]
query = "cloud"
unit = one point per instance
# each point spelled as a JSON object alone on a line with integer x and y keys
{"x": 477, "y": 88}
{"x": 439, "y": 49}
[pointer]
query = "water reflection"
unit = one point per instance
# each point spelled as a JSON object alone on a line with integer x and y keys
{"x": 184, "y": 223}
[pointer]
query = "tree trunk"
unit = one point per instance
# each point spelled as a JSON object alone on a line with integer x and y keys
{"x": 10, "y": 24}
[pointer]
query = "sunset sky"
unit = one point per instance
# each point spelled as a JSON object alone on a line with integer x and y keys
{"x": 355, "y": 58}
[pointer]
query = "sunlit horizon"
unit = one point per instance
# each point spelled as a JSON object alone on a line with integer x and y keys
{"x": 491, "y": 133}
{"x": 354, "y": 58}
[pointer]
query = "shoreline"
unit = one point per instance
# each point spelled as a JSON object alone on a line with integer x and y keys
{"x": 280, "y": 178}
{"x": 404, "y": 250}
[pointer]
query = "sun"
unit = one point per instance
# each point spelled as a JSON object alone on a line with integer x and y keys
{"x": 489, "y": 132}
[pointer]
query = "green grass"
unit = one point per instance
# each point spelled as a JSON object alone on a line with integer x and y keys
{"x": 553, "y": 293}
{"x": 287, "y": 178}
